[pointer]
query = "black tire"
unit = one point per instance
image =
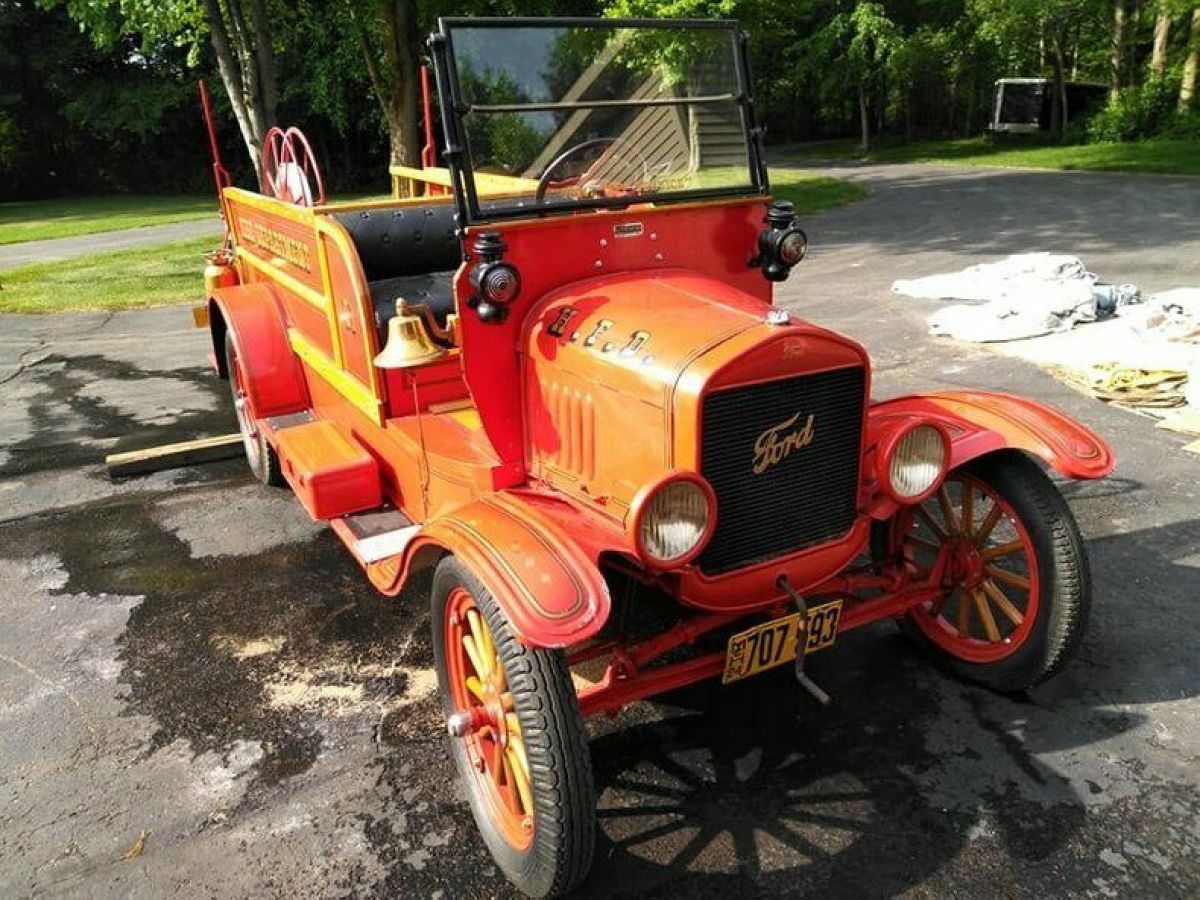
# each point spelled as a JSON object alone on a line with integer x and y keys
{"x": 564, "y": 819}
{"x": 1064, "y": 574}
{"x": 260, "y": 455}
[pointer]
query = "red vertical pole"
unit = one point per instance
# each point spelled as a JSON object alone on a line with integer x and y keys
{"x": 220, "y": 173}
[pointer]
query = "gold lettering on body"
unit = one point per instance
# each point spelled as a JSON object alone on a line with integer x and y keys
{"x": 289, "y": 249}
{"x": 777, "y": 443}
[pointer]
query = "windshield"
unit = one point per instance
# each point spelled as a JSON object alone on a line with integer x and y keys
{"x": 557, "y": 115}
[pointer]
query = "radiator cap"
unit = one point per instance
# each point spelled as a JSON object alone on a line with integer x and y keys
{"x": 779, "y": 317}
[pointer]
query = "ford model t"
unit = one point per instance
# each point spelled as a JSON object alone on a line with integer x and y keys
{"x": 553, "y": 368}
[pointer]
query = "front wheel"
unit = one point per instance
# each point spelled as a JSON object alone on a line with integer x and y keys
{"x": 517, "y": 738}
{"x": 1016, "y": 582}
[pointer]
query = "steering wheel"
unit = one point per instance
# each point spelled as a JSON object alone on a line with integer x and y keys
{"x": 544, "y": 180}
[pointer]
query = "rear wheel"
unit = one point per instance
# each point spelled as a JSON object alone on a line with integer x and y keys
{"x": 260, "y": 455}
{"x": 1017, "y": 587}
{"x": 518, "y": 739}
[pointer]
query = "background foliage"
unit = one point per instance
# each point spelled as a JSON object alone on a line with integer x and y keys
{"x": 99, "y": 95}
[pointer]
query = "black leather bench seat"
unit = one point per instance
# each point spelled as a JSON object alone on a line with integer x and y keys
{"x": 434, "y": 291}
{"x": 409, "y": 253}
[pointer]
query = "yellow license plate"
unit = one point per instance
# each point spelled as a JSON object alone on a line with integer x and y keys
{"x": 775, "y": 643}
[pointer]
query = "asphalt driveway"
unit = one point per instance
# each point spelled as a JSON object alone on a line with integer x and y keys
{"x": 200, "y": 696}
{"x": 30, "y": 252}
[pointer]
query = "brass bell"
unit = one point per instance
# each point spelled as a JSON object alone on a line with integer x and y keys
{"x": 408, "y": 344}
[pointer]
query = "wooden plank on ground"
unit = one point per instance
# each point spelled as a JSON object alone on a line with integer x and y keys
{"x": 173, "y": 456}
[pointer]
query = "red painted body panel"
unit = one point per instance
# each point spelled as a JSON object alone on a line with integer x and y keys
{"x": 716, "y": 239}
{"x": 252, "y": 313}
{"x": 536, "y": 554}
{"x": 331, "y": 474}
{"x": 980, "y": 422}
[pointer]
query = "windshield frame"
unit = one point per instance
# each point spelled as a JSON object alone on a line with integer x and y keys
{"x": 453, "y": 108}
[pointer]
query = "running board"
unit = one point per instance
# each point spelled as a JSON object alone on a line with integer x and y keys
{"x": 376, "y": 534}
{"x": 276, "y": 424}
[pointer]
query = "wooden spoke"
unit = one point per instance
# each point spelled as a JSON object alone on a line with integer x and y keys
{"x": 500, "y": 676}
{"x": 474, "y": 655}
{"x": 475, "y": 686}
{"x": 1001, "y": 600}
{"x": 990, "y": 521}
{"x": 968, "y": 509}
{"x": 931, "y": 522}
{"x": 1012, "y": 579}
{"x": 517, "y": 743}
{"x": 496, "y": 762}
{"x": 1002, "y": 549}
{"x": 964, "y": 616}
{"x": 520, "y": 777}
{"x": 512, "y": 724}
{"x": 482, "y": 643}
{"x": 507, "y": 783}
{"x": 985, "y": 615}
{"x": 943, "y": 497}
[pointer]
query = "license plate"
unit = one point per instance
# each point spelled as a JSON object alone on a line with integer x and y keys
{"x": 774, "y": 643}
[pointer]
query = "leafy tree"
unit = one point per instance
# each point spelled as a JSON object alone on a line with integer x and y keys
{"x": 851, "y": 54}
{"x": 238, "y": 31}
{"x": 1057, "y": 25}
{"x": 389, "y": 36}
{"x": 76, "y": 118}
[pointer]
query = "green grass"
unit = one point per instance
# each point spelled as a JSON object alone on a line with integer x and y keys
{"x": 124, "y": 279}
{"x": 813, "y": 193}
{"x": 1161, "y": 157}
{"x": 39, "y": 220}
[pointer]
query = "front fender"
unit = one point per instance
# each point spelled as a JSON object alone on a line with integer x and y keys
{"x": 981, "y": 422}
{"x": 252, "y": 314}
{"x": 520, "y": 547}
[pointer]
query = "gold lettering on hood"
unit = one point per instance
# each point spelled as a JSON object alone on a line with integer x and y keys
{"x": 776, "y": 443}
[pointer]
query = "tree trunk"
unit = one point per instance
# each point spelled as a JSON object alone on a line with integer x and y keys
{"x": 1187, "y": 90}
{"x": 246, "y": 62}
{"x": 864, "y": 118}
{"x": 396, "y": 83}
{"x": 1132, "y": 39}
{"x": 1162, "y": 41}
{"x": 1116, "y": 63}
{"x": 1058, "y": 105}
{"x": 402, "y": 41}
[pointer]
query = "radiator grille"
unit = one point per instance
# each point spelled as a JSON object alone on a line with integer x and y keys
{"x": 808, "y": 494}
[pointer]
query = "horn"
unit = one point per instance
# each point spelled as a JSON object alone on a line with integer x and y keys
{"x": 408, "y": 344}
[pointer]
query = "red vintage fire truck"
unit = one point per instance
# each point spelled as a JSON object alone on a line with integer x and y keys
{"x": 552, "y": 374}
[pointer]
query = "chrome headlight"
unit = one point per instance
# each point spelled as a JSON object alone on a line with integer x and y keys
{"x": 673, "y": 520}
{"x": 917, "y": 462}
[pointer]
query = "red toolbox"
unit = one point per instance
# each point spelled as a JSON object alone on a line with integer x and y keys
{"x": 330, "y": 473}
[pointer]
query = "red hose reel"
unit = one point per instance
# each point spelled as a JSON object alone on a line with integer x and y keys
{"x": 290, "y": 170}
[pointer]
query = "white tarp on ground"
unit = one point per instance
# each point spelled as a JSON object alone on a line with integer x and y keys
{"x": 1029, "y": 305}
{"x": 1023, "y": 296}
